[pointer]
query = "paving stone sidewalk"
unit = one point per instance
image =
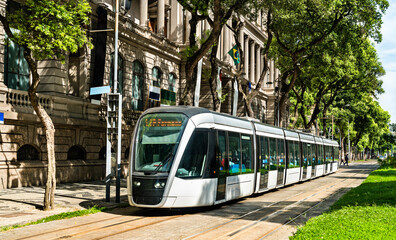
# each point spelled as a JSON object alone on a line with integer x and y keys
{"x": 22, "y": 205}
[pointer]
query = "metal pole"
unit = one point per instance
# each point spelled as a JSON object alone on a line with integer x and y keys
{"x": 108, "y": 151}
{"x": 349, "y": 143}
{"x": 119, "y": 135}
{"x": 332, "y": 126}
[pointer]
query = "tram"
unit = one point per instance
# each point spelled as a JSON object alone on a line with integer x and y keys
{"x": 190, "y": 157}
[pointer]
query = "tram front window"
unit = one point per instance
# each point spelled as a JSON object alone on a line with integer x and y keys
{"x": 157, "y": 140}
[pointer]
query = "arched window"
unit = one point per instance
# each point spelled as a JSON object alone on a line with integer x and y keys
{"x": 76, "y": 153}
{"x": 156, "y": 77}
{"x": 102, "y": 153}
{"x": 120, "y": 79}
{"x": 172, "y": 82}
{"x": 137, "y": 86}
{"x": 28, "y": 152}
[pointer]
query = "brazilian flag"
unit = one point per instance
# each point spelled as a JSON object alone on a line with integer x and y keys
{"x": 234, "y": 53}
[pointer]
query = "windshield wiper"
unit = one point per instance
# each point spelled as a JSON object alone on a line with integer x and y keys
{"x": 162, "y": 163}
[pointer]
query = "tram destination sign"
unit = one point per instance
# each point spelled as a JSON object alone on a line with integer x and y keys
{"x": 157, "y": 122}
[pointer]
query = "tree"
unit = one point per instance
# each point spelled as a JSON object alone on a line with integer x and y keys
{"x": 217, "y": 13}
{"x": 392, "y": 127}
{"x": 299, "y": 27}
{"x": 333, "y": 70}
{"x": 47, "y": 29}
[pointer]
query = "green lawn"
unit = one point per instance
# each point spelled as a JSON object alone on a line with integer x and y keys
{"x": 60, "y": 216}
{"x": 365, "y": 212}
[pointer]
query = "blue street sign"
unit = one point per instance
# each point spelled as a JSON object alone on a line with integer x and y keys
{"x": 1, "y": 118}
{"x": 99, "y": 90}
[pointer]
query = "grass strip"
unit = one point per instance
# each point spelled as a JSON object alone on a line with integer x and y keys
{"x": 59, "y": 216}
{"x": 365, "y": 212}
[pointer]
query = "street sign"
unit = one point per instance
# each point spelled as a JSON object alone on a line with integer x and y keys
{"x": 99, "y": 90}
{"x": 1, "y": 118}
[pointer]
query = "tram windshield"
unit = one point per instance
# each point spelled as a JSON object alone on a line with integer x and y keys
{"x": 158, "y": 137}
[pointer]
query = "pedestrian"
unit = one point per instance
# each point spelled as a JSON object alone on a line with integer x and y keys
{"x": 342, "y": 161}
{"x": 346, "y": 159}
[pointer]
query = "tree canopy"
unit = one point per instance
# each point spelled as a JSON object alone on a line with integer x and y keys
{"x": 46, "y": 29}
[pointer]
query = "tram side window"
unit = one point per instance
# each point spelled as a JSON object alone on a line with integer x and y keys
{"x": 320, "y": 154}
{"x": 313, "y": 154}
{"x": 281, "y": 152}
{"x": 297, "y": 153}
{"x": 290, "y": 153}
{"x": 247, "y": 158}
{"x": 308, "y": 153}
{"x": 235, "y": 153}
{"x": 264, "y": 155}
{"x": 293, "y": 154}
{"x": 336, "y": 154}
{"x": 192, "y": 164}
{"x": 273, "y": 154}
{"x": 221, "y": 151}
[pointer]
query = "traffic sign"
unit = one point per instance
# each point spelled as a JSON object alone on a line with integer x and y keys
{"x": 99, "y": 90}
{"x": 1, "y": 118}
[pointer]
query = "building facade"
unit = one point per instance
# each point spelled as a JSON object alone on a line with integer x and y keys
{"x": 152, "y": 34}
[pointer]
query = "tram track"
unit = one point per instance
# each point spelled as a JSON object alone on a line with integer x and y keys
{"x": 269, "y": 233}
{"x": 252, "y": 218}
{"x": 250, "y": 225}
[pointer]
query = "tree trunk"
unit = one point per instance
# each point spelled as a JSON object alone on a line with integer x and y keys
{"x": 213, "y": 80}
{"x": 49, "y": 196}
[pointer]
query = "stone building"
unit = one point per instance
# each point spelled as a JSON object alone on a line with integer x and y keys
{"x": 152, "y": 34}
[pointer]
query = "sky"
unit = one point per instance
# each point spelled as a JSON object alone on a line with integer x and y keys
{"x": 387, "y": 53}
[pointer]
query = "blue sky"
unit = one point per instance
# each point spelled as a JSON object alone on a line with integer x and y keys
{"x": 387, "y": 53}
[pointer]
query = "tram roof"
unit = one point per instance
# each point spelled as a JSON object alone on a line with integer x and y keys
{"x": 187, "y": 110}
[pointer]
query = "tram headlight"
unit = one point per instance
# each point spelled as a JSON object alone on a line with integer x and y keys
{"x": 136, "y": 183}
{"x": 159, "y": 185}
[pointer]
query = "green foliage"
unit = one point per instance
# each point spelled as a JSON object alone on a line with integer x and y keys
{"x": 351, "y": 223}
{"x": 51, "y": 28}
{"x": 392, "y": 127}
{"x": 365, "y": 212}
{"x": 389, "y": 162}
{"x": 60, "y": 216}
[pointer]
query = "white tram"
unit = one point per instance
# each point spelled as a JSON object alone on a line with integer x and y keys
{"x": 190, "y": 157}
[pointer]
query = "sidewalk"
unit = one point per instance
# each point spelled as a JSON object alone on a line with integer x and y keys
{"x": 22, "y": 205}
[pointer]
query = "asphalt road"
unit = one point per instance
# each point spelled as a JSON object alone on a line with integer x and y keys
{"x": 272, "y": 215}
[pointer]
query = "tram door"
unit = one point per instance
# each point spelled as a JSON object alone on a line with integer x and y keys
{"x": 263, "y": 161}
{"x": 281, "y": 162}
{"x": 222, "y": 162}
{"x": 314, "y": 158}
{"x": 305, "y": 157}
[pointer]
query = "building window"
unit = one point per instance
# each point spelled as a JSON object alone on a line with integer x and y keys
{"x": 137, "y": 86}
{"x": 155, "y": 88}
{"x": 172, "y": 82}
{"x": 120, "y": 79}
{"x": 76, "y": 153}
{"x": 27, "y": 152}
{"x": 156, "y": 77}
{"x": 102, "y": 153}
{"x": 16, "y": 67}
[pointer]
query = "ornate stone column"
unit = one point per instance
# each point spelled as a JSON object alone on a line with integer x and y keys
{"x": 252, "y": 62}
{"x": 143, "y": 12}
{"x": 161, "y": 17}
{"x": 246, "y": 52}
